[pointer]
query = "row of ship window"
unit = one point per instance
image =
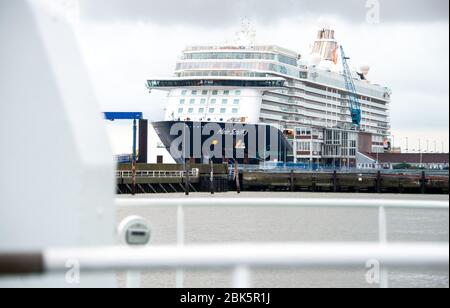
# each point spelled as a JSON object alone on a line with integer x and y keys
{"x": 213, "y": 101}
{"x": 255, "y": 66}
{"x": 240, "y": 56}
{"x": 214, "y": 92}
{"x": 220, "y": 73}
{"x": 210, "y": 110}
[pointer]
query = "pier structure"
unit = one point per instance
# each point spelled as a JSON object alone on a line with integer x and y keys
{"x": 170, "y": 178}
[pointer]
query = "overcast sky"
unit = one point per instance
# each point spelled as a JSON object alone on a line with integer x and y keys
{"x": 126, "y": 42}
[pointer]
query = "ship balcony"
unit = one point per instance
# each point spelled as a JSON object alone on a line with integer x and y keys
{"x": 274, "y": 108}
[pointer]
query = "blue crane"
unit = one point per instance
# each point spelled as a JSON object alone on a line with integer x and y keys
{"x": 353, "y": 98}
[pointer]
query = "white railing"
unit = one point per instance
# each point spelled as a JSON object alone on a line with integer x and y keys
{"x": 157, "y": 174}
{"x": 242, "y": 258}
{"x": 310, "y": 254}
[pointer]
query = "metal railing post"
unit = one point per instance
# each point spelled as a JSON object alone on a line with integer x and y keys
{"x": 382, "y": 225}
{"x": 292, "y": 181}
{"x": 133, "y": 280}
{"x": 334, "y": 181}
{"x": 383, "y": 238}
{"x": 423, "y": 183}
{"x": 180, "y": 243}
{"x": 241, "y": 277}
{"x": 378, "y": 186}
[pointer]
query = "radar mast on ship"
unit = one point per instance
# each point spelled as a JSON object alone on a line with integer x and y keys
{"x": 247, "y": 35}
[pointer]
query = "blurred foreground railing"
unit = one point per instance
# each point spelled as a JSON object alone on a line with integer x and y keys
{"x": 242, "y": 271}
{"x": 242, "y": 258}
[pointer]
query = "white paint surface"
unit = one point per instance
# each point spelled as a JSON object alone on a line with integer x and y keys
{"x": 59, "y": 174}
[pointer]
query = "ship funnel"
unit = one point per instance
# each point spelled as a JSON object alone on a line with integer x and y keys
{"x": 326, "y": 46}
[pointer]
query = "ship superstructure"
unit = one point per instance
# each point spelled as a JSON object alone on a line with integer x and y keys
{"x": 268, "y": 84}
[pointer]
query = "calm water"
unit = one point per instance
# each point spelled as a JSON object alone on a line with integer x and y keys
{"x": 231, "y": 225}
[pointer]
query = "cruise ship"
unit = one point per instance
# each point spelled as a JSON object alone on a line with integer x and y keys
{"x": 301, "y": 101}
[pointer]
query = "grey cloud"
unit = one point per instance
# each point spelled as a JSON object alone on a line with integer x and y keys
{"x": 217, "y": 13}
